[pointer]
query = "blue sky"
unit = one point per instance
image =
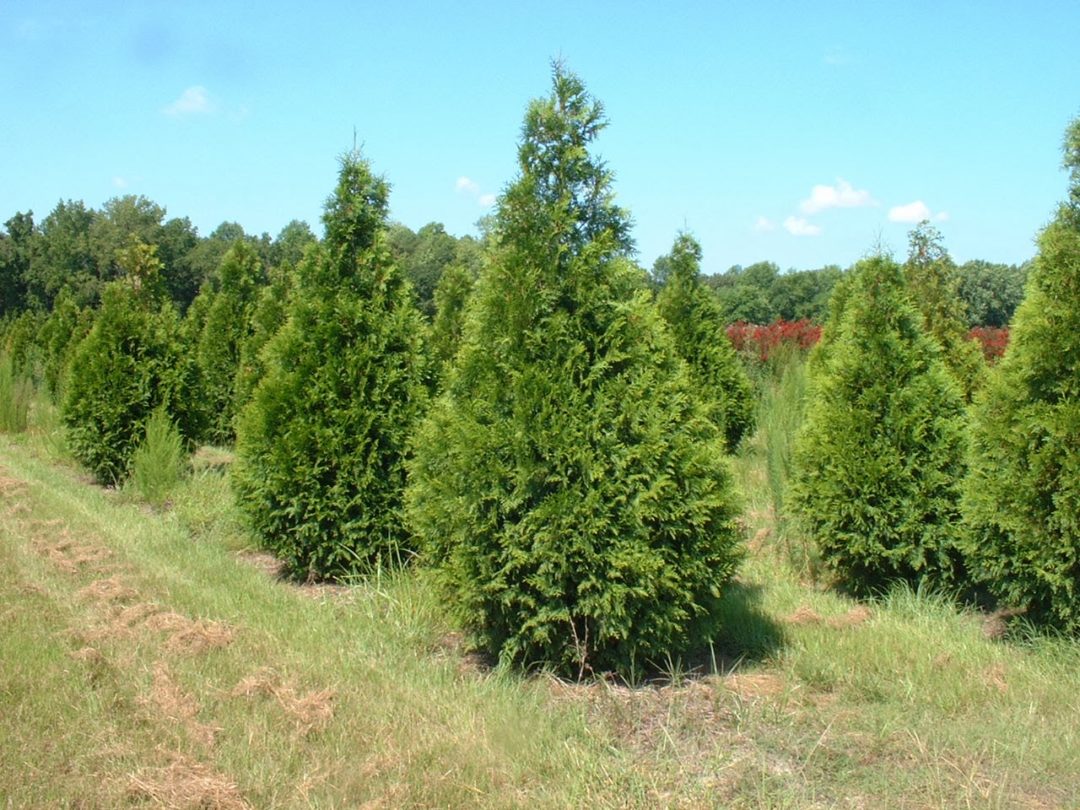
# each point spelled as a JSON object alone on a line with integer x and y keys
{"x": 800, "y": 133}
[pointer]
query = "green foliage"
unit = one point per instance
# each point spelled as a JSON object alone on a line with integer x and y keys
{"x": 879, "y": 460}
{"x": 131, "y": 362}
{"x": 158, "y": 463}
{"x": 780, "y": 416}
{"x": 16, "y": 251}
{"x": 268, "y": 315}
{"x": 226, "y": 327}
{"x": 934, "y": 284}
{"x": 454, "y": 289}
{"x": 16, "y": 392}
{"x": 61, "y": 332}
{"x": 321, "y": 445}
{"x": 568, "y": 485}
{"x": 701, "y": 339}
{"x": 991, "y": 292}
{"x": 1023, "y": 492}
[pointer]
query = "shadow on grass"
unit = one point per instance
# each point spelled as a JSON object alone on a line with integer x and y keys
{"x": 746, "y": 634}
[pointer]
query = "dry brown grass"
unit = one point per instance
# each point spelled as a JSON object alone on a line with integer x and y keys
{"x": 309, "y": 712}
{"x": 185, "y": 784}
{"x": 806, "y": 615}
{"x": 170, "y": 701}
{"x": 110, "y": 590}
{"x": 188, "y": 636}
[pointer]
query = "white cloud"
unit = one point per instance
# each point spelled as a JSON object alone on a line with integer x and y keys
{"x": 797, "y": 226}
{"x": 193, "y": 101}
{"x": 915, "y": 212}
{"x": 764, "y": 224}
{"x": 467, "y": 185}
{"x": 842, "y": 195}
{"x": 120, "y": 182}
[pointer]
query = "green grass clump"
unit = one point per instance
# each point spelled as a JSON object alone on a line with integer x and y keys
{"x": 16, "y": 393}
{"x": 159, "y": 462}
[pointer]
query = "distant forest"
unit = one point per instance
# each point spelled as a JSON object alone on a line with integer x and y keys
{"x": 75, "y": 250}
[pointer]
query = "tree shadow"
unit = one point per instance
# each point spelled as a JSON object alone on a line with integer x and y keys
{"x": 746, "y": 633}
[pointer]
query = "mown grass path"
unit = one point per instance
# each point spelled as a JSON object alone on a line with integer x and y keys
{"x": 140, "y": 664}
{"x": 145, "y": 661}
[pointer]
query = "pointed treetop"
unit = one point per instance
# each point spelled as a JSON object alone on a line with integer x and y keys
{"x": 557, "y": 167}
{"x": 357, "y": 209}
{"x": 1071, "y": 160}
{"x": 684, "y": 263}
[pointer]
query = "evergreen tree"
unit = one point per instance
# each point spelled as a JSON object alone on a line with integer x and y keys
{"x": 321, "y": 446}
{"x": 1023, "y": 491}
{"x": 66, "y": 325}
{"x": 701, "y": 339}
{"x": 227, "y": 326}
{"x": 568, "y": 485}
{"x": 453, "y": 291}
{"x": 267, "y": 317}
{"x": 879, "y": 460}
{"x": 934, "y": 284}
{"x": 131, "y": 362}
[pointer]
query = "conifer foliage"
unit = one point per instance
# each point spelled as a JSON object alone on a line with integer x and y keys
{"x": 701, "y": 339}
{"x": 321, "y": 446}
{"x": 567, "y": 485}
{"x": 1023, "y": 491}
{"x": 934, "y": 284}
{"x": 227, "y": 326}
{"x": 131, "y": 362}
{"x": 880, "y": 457}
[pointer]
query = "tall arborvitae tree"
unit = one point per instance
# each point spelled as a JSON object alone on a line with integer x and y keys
{"x": 131, "y": 362}
{"x": 453, "y": 291}
{"x": 934, "y": 283}
{"x": 568, "y": 484}
{"x": 701, "y": 339}
{"x": 228, "y": 324}
{"x": 321, "y": 446}
{"x": 880, "y": 457}
{"x": 1023, "y": 491}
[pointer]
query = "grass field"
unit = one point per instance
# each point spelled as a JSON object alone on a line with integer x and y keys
{"x": 149, "y": 657}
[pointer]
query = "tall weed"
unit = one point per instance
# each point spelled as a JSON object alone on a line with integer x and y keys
{"x": 158, "y": 463}
{"x": 16, "y": 392}
{"x": 782, "y": 408}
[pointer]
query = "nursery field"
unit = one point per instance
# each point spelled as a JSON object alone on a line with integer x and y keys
{"x": 153, "y": 658}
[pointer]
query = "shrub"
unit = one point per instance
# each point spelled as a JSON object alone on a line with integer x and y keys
{"x": 759, "y": 345}
{"x": 157, "y": 465}
{"x": 568, "y": 485}
{"x": 697, "y": 325}
{"x": 130, "y": 363}
{"x": 1023, "y": 493}
{"x": 321, "y": 445}
{"x": 879, "y": 460}
{"x": 993, "y": 340}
